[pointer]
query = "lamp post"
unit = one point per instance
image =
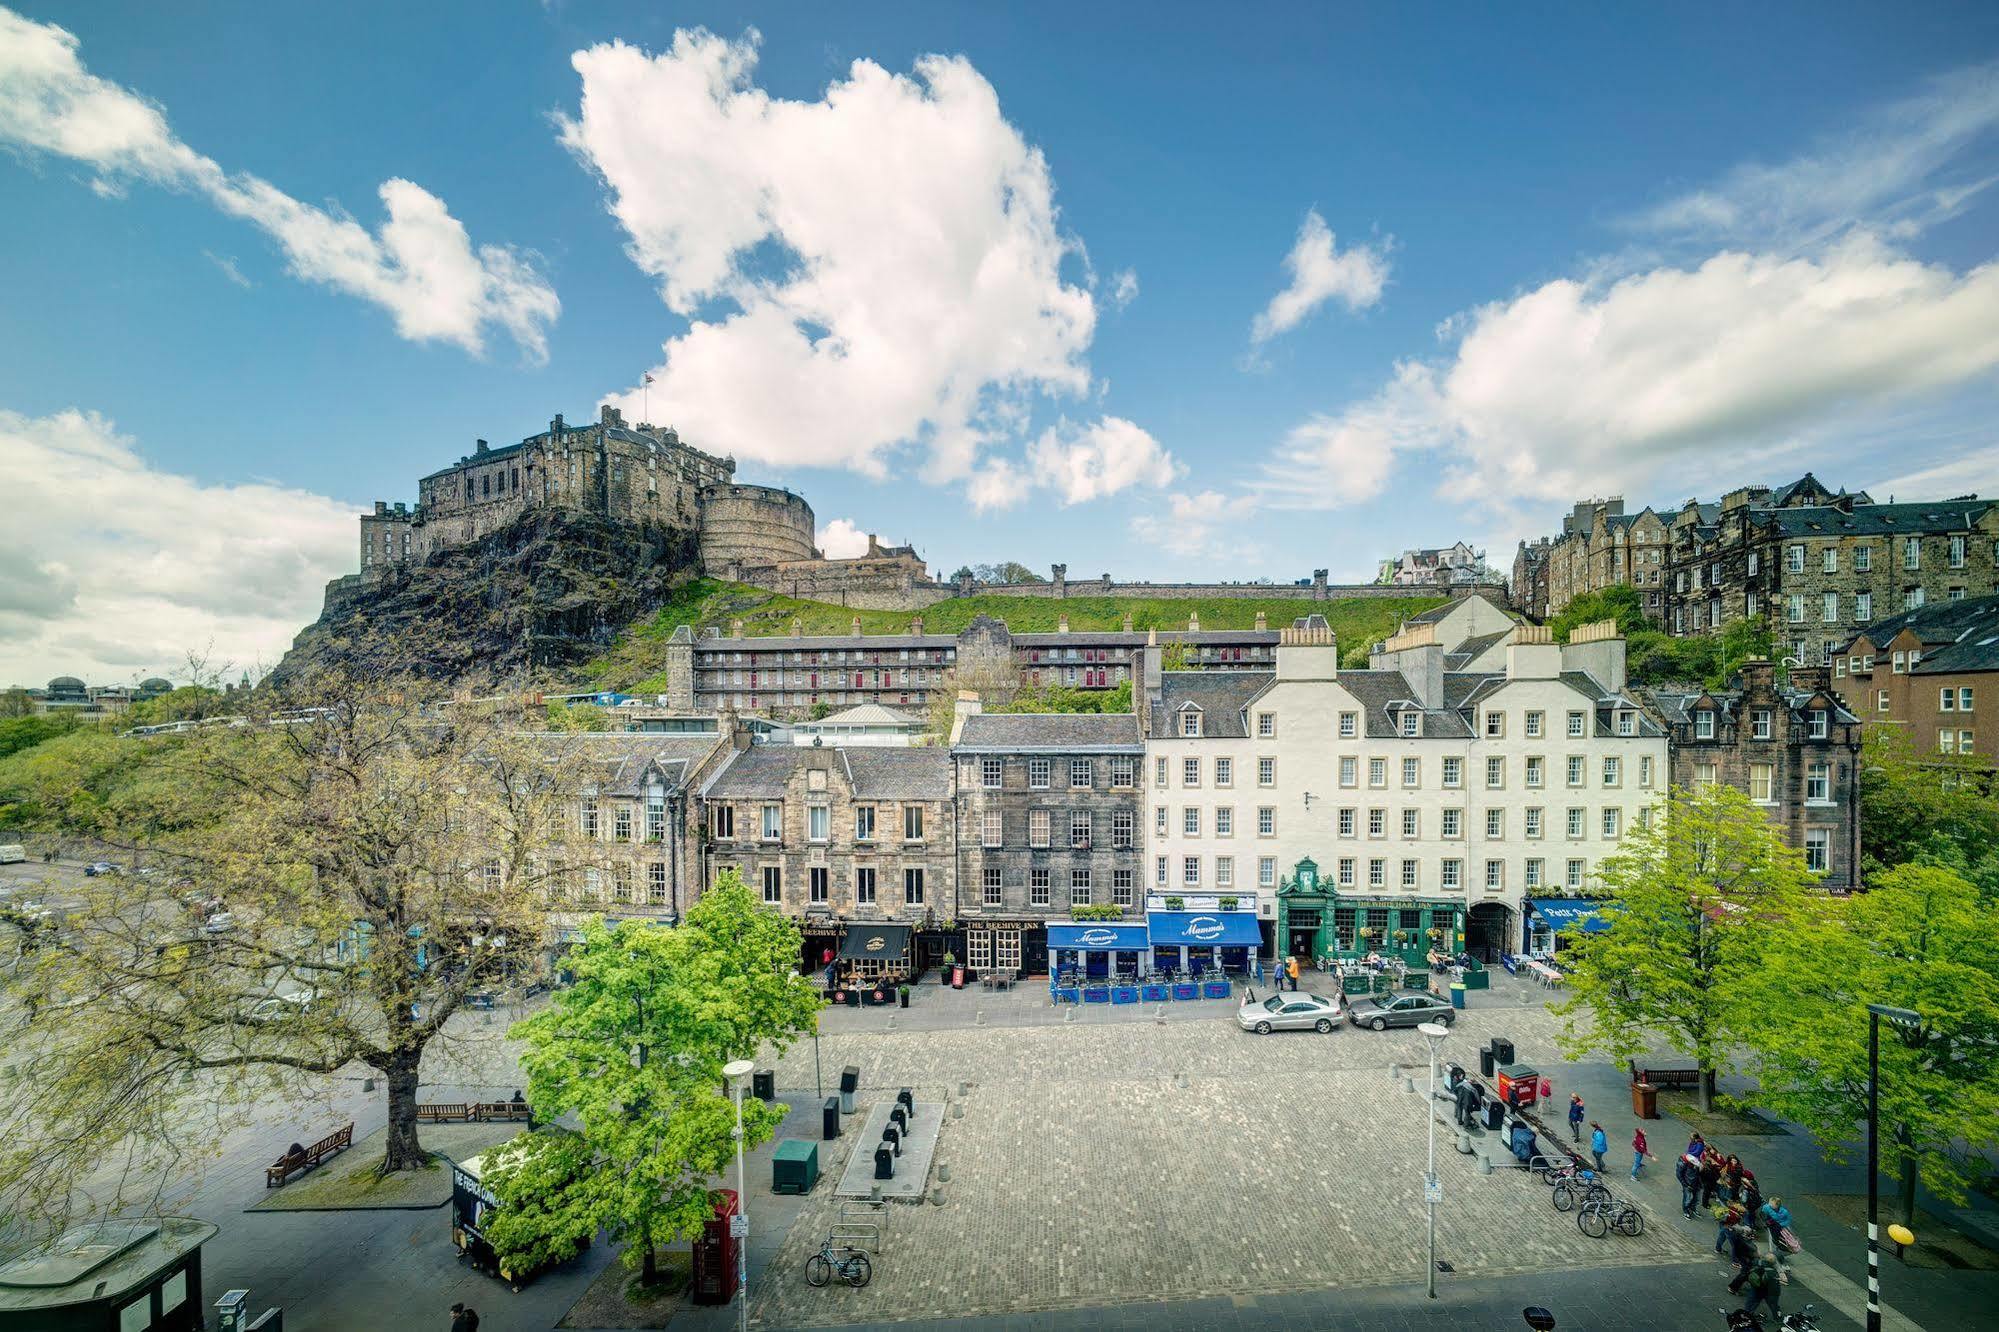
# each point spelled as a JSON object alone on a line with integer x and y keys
{"x": 738, "y": 1073}
{"x": 1433, "y": 1192}
{"x": 1901, "y": 1017}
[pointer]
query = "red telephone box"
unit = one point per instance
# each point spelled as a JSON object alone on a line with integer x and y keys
{"x": 715, "y": 1254}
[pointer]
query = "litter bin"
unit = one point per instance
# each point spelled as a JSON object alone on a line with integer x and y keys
{"x": 1457, "y": 994}
{"x": 1495, "y": 1114}
{"x": 850, "y": 1082}
{"x": 884, "y": 1163}
{"x": 1644, "y": 1100}
{"x": 1485, "y": 1064}
{"x": 1502, "y": 1050}
{"x": 763, "y": 1085}
{"x": 794, "y": 1168}
{"x": 829, "y": 1119}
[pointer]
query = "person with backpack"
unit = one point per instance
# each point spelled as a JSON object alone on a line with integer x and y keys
{"x": 1776, "y": 1218}
{"x": 1576, "y": 1116}
{"x": 1764, "y": 1286}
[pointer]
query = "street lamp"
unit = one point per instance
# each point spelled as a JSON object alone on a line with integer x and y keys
{"x": 1905, "y": 1019}
{"x": 1433, "y": 1192}
{"x": 738, "y": 1073}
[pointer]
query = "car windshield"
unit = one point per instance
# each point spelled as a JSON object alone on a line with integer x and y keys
{"x": 1272, "y": 1004}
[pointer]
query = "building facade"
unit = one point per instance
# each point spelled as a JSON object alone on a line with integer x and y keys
{"x": 1927, "y": 672}
{"x": 1048, "y": 821}
{"x": 1409, "y": 792}
{"x": 1793, "y": 748}
{"x": 1601, "y": 546}
{"x": 637, "y": 823}
{"x": 856, "y": 843}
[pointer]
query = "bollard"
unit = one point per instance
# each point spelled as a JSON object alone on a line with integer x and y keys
{"x": 891, "y": 1022}
{"x": 964, "y": 1089}
{"x": 979, "y": 1018}
{"x": 943, "y": 1173}
{"x": 1180, "y": 1081}
{"x": 1408, "y": 1084}
{"x": 1484, "y": 1165}
{"x": 1159, "y": 1015}
{"x": 957, "y": 1109}
{"x": 875, "y": 1194}
{"x": 1068, "y": 1015}
{"x": 936, "y": 1197}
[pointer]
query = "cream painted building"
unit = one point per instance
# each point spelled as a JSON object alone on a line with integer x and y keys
{"x": 1402, "y": 798}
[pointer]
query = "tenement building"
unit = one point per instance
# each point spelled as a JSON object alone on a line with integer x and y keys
{"x": 1601, "y": 546}
{"x": 1926, "y": 673}
{"x": 1368, "y": 808}
{"x": 854, "y": 843}
{"x": 636, "y": 820}
{"x": 1047, "y": 814}
{"x": 1793, "y": 748}
{"x": 789, "y": 675}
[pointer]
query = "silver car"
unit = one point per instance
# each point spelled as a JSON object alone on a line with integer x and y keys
{"x": 1296, "y": 1011}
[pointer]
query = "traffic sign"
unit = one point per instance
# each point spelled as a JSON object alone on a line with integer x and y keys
{"x": 739, "y": 1227}
{"x": 1433, "y": 1189}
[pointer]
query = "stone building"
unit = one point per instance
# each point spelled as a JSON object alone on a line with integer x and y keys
{"x": 1529, "y": 582}
{"x": 636, "y": 821}
{"x": 857, "y": 844}
{"x": 1601, "y": 546}
{"x": 1433, "y": 567}
{"x": 1047, "y": 813}
{"x": 788, "y": 675}
{"x": 1814, "y": 565}
{"x": 1407, "y": 797}
{"x": 1926, "y": 671}
{"x": 1793, "y": 748}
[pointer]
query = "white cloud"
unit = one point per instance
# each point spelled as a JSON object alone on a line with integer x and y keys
{"x": 1100, "y": 459}
{"x": 997, "y": 484}
{"x": 1320, "y": 273}
{"x": 841, "y": 539}
{"x": 420, "y": 266}
{"x": 1124, "y": 288}
{"x": 227, "y": 263}
{"x": 1205, "y": 524}
{"x": 1892, "y": 172}
{"x": 115, "y": 569}
{"x": 1583, "y": 387}
{"x": 874, "y": 269}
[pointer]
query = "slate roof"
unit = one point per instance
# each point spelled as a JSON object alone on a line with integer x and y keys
{"x": 1938, "y": 622}
{"x": 625, "y": 759}
{"x": 1221, "y": 696}
{"x": 1067, "y": 731}
{"x": 1677, "y": 705}
{"x": 865, "y": 714}
{"x": 824, "y": 642}
{"x": 1470, "y": 650}
{"x": 1952, "y": 515}
{"x": 1977, "y": 651}
{"x": 873, "y": 771}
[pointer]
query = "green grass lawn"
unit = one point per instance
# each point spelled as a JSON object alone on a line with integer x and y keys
{"x": 636, "y": 661}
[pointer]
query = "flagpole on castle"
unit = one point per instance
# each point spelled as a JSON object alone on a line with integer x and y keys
{"x": 645, "y": 397}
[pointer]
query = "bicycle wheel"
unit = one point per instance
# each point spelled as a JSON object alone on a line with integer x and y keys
{"x": 1597, "y": 1194}
{"x": 1564, "y": 1196}
{"x": 1591, "y": 1221}
{"x": 1631, "y": 1221}
{"x": 818, "y": 1271}
{"x": 1550, "y": 1173}
{"x": 859, "y": 1272}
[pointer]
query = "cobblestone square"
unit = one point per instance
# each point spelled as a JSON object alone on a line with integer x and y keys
{"x": 1107, "y": 1161}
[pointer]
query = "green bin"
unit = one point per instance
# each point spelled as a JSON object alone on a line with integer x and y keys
{"x": 794, "y": 1168}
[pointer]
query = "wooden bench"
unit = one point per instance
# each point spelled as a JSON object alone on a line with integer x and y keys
{"x": 488, "y": 1112}
{"x": 1665, "y": 1076}
{"x": 288, "y": 1165}
{"x": 445, "y": 1112}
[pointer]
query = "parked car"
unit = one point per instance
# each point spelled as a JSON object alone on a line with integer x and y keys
{"x": 1289, "y": 1012}
{"x": 13, "y": 853}
{"x": 98, "y": 868}
{"x": 1408, "y": 1009}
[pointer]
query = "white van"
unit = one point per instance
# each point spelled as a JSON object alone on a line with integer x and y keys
{"x": 10, "y": 855}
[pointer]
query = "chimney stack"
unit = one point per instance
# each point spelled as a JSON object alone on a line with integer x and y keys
{"x": 1193, "y": 622}
{"x": 916, "y": 627}
{"x": 797, "y": 627}
{"x": 1127, "y": 621}
{"x": 735, "y": 628}
{"x": 1062, "y": 625}
{"x": 857, "y": 626}
{"x": 1262, "y": 622}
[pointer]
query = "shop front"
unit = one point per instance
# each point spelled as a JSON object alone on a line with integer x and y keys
{"x": 1549, "y": 918}
{"x": 1091, "y": 950}
{"x": 874, "y": 954}
{"x": 1305, "y": 916}
{"x": 1191, "y": 939}
{"x": 1008, "y": 948}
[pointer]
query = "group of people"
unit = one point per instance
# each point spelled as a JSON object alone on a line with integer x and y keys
{"x": 1727, "y": 1188}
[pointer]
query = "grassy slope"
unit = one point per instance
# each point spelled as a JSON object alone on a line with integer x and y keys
{"x": 638, "y": 657}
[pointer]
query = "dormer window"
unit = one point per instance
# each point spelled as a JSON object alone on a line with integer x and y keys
{"x": 1627, "y": 723}
{"x": 1190, "y": 722}
{"x": 1412, "y": 722}
{"x": 1817, "y": 722}
{"x": 1704, "y": 725}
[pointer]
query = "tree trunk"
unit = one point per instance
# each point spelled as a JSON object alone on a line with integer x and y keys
{"x": 1706, "y": 1097}
{"x": 649, "y": 1268}
{"x": 1910, "y": 1174}
{"x": 404, "y": 1151}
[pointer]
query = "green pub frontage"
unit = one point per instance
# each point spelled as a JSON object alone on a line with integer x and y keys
{"x": 1318, "y": 925}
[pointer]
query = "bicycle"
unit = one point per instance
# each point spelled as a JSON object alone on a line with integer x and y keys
{"x": 1585, "y": 1188}
{"x": 850, "y": 1265}
{"x": 1553, "y": 1172}
{"x": 1599, "y": 1217}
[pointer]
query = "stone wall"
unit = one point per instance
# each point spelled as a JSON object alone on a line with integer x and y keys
{"x": 754, "y": 525}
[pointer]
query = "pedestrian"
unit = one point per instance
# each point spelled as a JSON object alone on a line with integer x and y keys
{"x": 1776, "y": 1219}
{"x": 1710, "y": 1178}
{"x": 1689, "y": 1176}
{"x": 1765, "y": 1286}
{"x": 1742, "y": 1253}
{"x": 1696, "y": 1146}
{"x": 464, "y": 1318}
{"x": 1752, "y": 1196}
{"x": 1728, "y": 1217}
{"x": 1576, "y": 1116}
{"x": 1598, "y": 1144}
{"x": 1640, "y": 1152}
{"x": 1291, "y": 970}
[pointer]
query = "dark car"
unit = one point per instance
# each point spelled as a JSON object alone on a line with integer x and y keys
{"x": 1408, "y": 1009}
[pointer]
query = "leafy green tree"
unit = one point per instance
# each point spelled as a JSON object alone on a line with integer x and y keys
{"x": 545, "y": 1214}
{"x": 1920, "y": 938}
{"x": 1931, "y": 807}
{"x": 576, "y": 717}
{"x": 19, "y": 733}
{"x": 634, "y": 1050}
{"x": 1622, "y": 603}
{"x": 1699, "y": 894}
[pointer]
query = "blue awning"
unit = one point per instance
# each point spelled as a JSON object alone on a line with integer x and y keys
{"x": 1571, "y": 913}
{"x": 1098, "y": 938}
{"x": 1225, "y": 929}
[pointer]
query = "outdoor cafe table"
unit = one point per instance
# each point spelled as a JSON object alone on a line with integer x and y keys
{"x": 1544, "y": 973}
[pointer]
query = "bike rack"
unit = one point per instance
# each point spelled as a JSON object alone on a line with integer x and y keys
{"x": 855, "y": 1235}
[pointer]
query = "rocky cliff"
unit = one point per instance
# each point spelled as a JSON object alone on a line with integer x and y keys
{"x": 526, "y": 603}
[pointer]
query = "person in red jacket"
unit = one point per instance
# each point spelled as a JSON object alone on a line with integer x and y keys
{"x": 1640, "y": 1152}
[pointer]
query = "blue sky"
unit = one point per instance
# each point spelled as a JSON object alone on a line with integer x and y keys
{"x": 1027, "y": 301}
